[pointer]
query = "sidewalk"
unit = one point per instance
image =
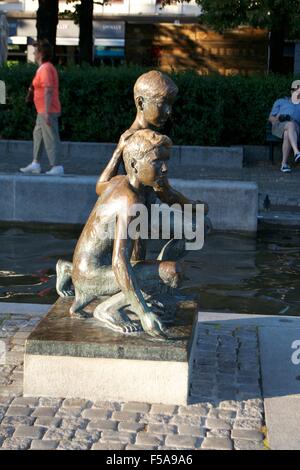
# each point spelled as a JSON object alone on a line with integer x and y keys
{"x": 233, "y": 362}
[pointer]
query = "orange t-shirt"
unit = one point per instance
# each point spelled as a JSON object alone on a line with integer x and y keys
{"x": 46, "y": 76}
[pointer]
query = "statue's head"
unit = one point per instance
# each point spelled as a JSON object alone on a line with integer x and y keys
{"x": 146, "y": 156}
{"x": 154, "y": 95}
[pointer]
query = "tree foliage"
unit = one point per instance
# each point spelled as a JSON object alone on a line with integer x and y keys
{"x": 270, "y": 14}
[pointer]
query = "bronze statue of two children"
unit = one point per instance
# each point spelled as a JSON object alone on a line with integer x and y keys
{"x": 115, "y": 265}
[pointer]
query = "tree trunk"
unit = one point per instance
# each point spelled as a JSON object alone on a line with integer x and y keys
{"x": 86, "y": 39}
{"x": 46, "y": 21}
{"x": 276, "y": 44}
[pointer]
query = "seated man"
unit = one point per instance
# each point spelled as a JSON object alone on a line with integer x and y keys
{"x": 285, "y": 119}
{"x": 105, "y": 265}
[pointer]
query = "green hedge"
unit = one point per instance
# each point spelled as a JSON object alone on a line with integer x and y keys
{"x": 98, "y": 105}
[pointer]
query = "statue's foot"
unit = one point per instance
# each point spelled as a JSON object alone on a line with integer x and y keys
{"x": 117, "y": 321}
{"x": 64, "y": 285}
{"x": 80, "y": 314}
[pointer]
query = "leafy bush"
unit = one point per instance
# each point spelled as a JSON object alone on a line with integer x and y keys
{"x": 97, "y": 105}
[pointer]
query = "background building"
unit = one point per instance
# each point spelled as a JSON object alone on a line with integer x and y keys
{"x": 140, "y": 32}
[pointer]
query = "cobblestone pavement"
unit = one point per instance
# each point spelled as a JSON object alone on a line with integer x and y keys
{"x": 227, "y": 410}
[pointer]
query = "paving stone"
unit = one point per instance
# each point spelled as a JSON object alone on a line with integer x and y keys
{"x": 157, "y": 409}
{"x": 57, "y": 434}
{"x": 146, "y": 439}
{"x": 24, "y": 401}
{"x": 218, "y": 433}
{"x": 116, "y": 436}
{"x": 167, "y": 448}
{"x": 73, "y": 445}
{"x": 14, "y": 443}
{"x": 21, "y": 335}
{"x": 244, "y": 423}
{"x": 29, "y": 432}
{"x": 108, "y": 446}
{"x": 96, "y": 413}
{"x": 16, "y": 420}
{"x": 248, "y": 380}
{"x": 6, "y": 431}
{"x": 136, "y": 407}
{"x": 183, "y": 442}
{"x": 193, "y": 410}
{"x": 188, "y": 430}
{"x": 89, "y": 436}
{"x": 220, "y": 413}
{"x": 108, "y": 405}
{"x": 250, "y": 412}
{"x": 250, "y": 434}
{"x": 5, "y": 400}
{"x": 125, "y": 416}
{"x": 148, "y": 418}
{"x": 12, "y": 390}
{"x": 130, "y": 426}
{"x": 48, "y": 422}
{"x": 44, "y": 411}
{"x": 140, "y": 447}
{"x": 45, "y": 401}
{"x": 18, "y": 411}
{"x": 153, "y": 428}
{"x": 249, "y": 388}
{"x": 212, "y": 423}
{"x": 191, "y": 420}
{"x": 243, "y": 444}
{"x": 69, "y": 412}
{"x": 76, "y": 402}
{"x": 101, "y": 425}
{"x": 73, "y": 423}
{"x": 217, "y": 443}
{"x": 43, "y": 445}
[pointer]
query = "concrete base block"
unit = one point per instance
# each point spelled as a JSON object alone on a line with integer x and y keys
{"x": 106, "y": 379}
{"x": 70, "y": 357}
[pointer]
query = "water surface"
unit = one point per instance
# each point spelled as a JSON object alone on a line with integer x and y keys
{"x": 232, "y": 273}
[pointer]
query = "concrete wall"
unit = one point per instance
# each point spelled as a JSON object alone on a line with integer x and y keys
{"x": 91, "y": 156}
{"x": 68, "y": 200}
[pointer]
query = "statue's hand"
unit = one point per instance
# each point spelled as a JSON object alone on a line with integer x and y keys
{"x": 152, "y": 325}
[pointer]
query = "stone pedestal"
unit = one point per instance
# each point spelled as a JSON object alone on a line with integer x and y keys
{"x": 70, "y": 357}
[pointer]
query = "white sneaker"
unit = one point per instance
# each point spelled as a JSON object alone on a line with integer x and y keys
{"x": 33, "y": 168}
{"x": 57, "y": 170}
{"x": 286, "y": 168}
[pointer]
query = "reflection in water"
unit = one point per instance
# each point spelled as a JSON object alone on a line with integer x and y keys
{"x": 231, "y": 273}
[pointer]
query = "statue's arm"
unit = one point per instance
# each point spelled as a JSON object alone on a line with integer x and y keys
{"x": 110, "y": 170}
{"x": 170, "y": 196}
{"x": 113, "y": 165}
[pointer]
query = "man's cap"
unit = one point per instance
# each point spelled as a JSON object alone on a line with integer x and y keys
{"x": 295, "y": 84}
